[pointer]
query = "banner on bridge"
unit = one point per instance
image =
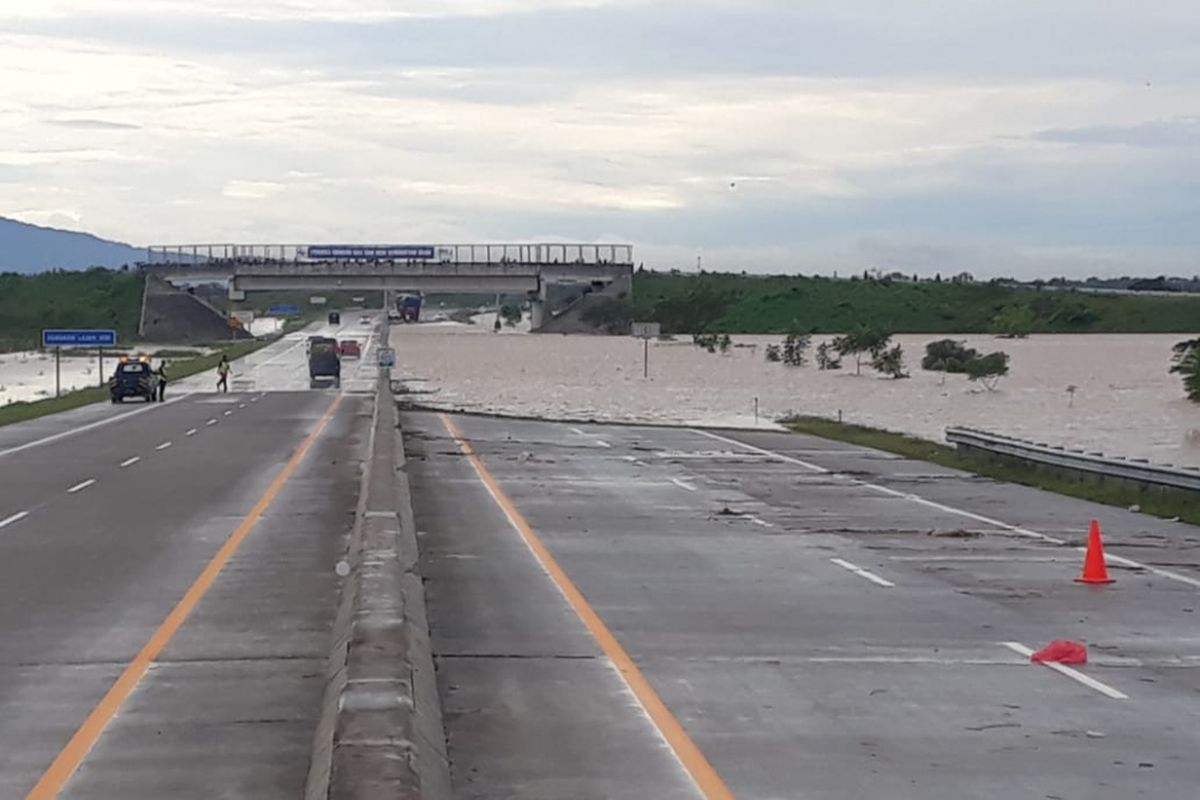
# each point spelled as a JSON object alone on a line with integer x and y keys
{"x": 371, "y": 252}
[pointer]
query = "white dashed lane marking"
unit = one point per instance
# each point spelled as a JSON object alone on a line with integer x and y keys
{"x": 862, "y": 573}
{"x": 20, "y": 515}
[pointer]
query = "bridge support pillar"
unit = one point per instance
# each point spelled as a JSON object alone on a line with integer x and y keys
{"x": 537, "y": 313}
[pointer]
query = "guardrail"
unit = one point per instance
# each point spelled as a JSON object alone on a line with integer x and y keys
{"x": 527, "y": 253}
{"x": 1137, "y": 470}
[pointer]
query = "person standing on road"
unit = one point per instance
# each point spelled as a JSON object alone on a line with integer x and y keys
{"x": 223, "y": 375}
{"x": 161, "y": 372}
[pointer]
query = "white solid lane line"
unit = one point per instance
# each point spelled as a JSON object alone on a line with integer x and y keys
{"x": 1126, "y": 562}
{"x": 91, "y": 426}
{"x": 79, "y": 487}
{"x": 129, "y": 462}
{"x": 762, "y": 451}
{"x": 163, "y": 446}
{"x": 683, "y": 484}
{"x": 20, "y": 515}
{"x": 862, "y": 573}
{"x": 192, "y": 432}
{"x": 1073, "y": 674}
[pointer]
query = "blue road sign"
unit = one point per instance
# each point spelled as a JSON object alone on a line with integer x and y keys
{"x": 78, "y": 338}
{"x": 371, "y": 252}
{"x": 283, "y": 311}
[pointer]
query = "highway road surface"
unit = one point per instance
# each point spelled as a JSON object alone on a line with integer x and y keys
{"x": 168, "y": 585}
{"x": 624, "y": 612}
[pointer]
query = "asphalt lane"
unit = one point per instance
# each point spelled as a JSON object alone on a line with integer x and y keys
{"x": 825, "y": 621}
{"x": 280, "y": 366}
{"x": 111, "y": 525}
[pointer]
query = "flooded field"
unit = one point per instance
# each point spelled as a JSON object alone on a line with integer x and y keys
{"x": 1124, "y": 401}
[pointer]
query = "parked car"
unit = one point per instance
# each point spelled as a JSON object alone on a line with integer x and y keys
{"x": 134, "y": 379}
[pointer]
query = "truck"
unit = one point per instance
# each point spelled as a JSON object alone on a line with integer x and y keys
{"x": 324, "y": 363}
{"x": 409, "y": 306}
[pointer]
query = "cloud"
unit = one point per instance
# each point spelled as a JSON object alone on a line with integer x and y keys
{"x": 93, "y": 124}
{"x": 777, "y": 132}
{"x": 1175, "y": 132}
{"x": 252, "y": 190}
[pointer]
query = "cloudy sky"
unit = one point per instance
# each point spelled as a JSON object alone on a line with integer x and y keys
{"x": 1006, "y": 137}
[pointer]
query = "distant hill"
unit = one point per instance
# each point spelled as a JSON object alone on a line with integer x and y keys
{"x": 28, "y": 249}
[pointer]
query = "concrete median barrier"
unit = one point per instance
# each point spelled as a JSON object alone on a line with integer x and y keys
{"x": 381, "y": 733}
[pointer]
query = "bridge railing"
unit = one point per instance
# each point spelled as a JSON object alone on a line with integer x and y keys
{"x": 544, "y": 253}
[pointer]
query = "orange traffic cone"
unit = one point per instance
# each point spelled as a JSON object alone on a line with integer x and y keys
{"x": 1094, "y": 568}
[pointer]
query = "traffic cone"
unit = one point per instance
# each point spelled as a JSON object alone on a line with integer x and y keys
{"x": 1094, "y": 568}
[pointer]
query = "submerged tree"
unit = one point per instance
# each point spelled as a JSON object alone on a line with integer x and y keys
{"x": 1186, "y": 362}
{"x": 827, "y": 357}
{"x": 890, "y": 362}
{"x": 511, "y": 314}
{"x": 988, "y": 369}
{"x": 795, "y": 348}
{"x": 948, "y": 355}
{"x": 862, "y": 342}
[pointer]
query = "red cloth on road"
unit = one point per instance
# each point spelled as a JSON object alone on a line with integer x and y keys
{"x": 1061, "y": 651}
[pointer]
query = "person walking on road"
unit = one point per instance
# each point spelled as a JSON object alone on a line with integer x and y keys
{"x": 161, "y": 372}
{"x": 223, "y": 375}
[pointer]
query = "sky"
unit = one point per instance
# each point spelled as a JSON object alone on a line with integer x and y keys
{"x": 1018, "y": 138}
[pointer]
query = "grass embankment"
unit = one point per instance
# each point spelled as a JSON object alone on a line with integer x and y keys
{"x": 1164, "y": 503}
{"x": 177, "y": 370}
{"x": 727, "y": 303}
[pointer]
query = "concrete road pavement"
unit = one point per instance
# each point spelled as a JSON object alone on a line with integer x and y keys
{"x": 105, "y": 531}
{"x": 823, "y": 622}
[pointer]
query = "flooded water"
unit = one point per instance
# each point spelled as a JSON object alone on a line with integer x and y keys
{"x": 31, "y": 375}
{"x": 1124, "y": 403}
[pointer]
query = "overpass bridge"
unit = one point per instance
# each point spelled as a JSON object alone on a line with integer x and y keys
{"x": 445, "y": 268}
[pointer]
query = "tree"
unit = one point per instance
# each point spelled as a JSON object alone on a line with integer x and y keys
{"x": 795, "y": 347}
{"x": 1186, "y": 362}
{"x": 890, "y": 362}
{"x": 988, "y": 369}
{"x": 827, "y": 357}
{"x": 511, "y": 314}
{"x": 1013, "y": 322}
{"x": 724, "y": 343}
{"x": 706, "y": 341}
{"x": 774, "y": 353}
{"x": 860, "y": 343}
{"x": 948, "y": 355}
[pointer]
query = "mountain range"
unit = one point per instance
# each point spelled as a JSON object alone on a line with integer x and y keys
{"x": 26, "y": 248}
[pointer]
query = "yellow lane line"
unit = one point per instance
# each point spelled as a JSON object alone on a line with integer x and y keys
{"x": 81, "y": 743}
{"x": 710, "y": 784}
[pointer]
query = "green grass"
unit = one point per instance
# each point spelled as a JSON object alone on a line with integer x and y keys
{"x": 177, "y": 370}
{"x": 1164, "y": 503}
{"x": 728, "y": 303}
